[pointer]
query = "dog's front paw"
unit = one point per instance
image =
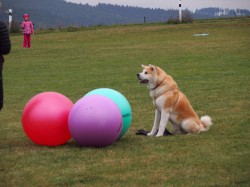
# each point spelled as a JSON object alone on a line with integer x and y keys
{"x": 159, "y": 135}
{"x": 150, "y": 134}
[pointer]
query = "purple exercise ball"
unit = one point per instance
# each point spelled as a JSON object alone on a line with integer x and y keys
{"x": 95, "y": 121}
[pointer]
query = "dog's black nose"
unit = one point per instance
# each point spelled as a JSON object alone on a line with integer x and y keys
{"x": 138, "y": 75}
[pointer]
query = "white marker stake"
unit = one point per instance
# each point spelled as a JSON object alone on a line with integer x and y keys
{"x": 180, "y": 16}
{"x": 10, "y": 17}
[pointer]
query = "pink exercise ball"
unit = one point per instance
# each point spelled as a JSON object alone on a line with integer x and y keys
{"x": 45, "y": 119}
{"x": 95, "y": 121}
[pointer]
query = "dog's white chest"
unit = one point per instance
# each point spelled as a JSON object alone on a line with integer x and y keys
{"x": 159, "y": 103}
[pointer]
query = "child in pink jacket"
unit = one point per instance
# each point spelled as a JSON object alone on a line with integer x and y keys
{"x": 28, "y": 29}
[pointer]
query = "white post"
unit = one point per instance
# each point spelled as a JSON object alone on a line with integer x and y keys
{"x": 180, "y": 16}
{"x": 10, "y": 17}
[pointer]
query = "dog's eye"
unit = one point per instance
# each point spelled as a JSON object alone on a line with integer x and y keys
{"x": 145, "y": 72}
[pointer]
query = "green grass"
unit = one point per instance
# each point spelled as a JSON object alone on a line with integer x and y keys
{"x": 212, "y": 71}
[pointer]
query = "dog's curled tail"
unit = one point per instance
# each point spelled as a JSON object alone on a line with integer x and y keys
{"x": 206, "y": 122}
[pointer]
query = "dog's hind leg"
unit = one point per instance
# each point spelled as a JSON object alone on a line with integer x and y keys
{"x": 163, "y": 123}
{"x": 156, "y": 123}
{"x": 177, "y": 129}
{"x": 190, "y": 126}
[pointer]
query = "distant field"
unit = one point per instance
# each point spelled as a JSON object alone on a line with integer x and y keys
{"x": 213, "y": 71}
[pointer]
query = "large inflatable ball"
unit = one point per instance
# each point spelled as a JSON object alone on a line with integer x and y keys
{"x": 95, "y": 121}
{"x": 121, "y": 102}
{"x": 45, "y": 119}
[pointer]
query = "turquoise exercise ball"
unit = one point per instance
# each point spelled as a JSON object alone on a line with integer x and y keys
{"x": 122, "y": 104}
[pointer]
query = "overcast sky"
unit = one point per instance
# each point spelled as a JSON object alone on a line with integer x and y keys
{"x": 170, "y": 4}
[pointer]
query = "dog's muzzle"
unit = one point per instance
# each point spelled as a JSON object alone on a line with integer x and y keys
{"x": 143, "y": 81}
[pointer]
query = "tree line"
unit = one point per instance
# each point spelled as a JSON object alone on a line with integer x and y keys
{"x": 58, "y": 13}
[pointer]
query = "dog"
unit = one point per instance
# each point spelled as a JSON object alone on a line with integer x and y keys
{"x": 170, "y": 104}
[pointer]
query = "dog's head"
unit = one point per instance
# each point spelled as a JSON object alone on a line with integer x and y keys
{"x": 154, "y": 77}
{"x": 149, "y": 75}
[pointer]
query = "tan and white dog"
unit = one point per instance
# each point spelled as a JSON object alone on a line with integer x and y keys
{"x": 170, "y": 104}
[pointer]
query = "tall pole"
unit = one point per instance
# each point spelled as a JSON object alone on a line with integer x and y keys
{"x": 10, "y": 18}
{"x": 180, "y": 16}
{"x": 0, "y": 5}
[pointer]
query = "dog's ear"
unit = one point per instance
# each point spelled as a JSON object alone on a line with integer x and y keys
{"x": 152, "y": 67}
{"x": 143, "y": 66}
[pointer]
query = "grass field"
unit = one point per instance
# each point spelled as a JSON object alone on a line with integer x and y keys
{"x": 213, "y": 71}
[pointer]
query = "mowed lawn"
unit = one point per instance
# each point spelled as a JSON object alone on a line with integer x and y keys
{"x": 213, "y": 71}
